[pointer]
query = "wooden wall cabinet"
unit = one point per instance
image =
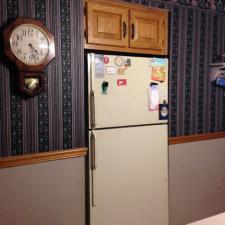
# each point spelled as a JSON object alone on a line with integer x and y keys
{"x": 125, "y": 27}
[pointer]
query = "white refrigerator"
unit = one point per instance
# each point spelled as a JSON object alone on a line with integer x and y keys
{"x": 128, "y": 140}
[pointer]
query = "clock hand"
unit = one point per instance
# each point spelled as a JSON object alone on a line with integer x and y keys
{"x": 31, "y": 46}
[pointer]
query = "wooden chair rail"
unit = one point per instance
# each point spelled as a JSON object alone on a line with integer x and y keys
{"x": 195, "y": 137}
{"x": 13, "y": 161}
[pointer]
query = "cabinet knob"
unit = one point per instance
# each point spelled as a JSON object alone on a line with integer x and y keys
{"x": 132, "y": 31}
{"x": 124, "y": 29}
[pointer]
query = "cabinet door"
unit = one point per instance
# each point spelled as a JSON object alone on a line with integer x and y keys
{"x": 148, "y": 30}
{"x": 107, "y": 24}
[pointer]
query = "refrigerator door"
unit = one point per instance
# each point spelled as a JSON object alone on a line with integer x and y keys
{"x": 129, "y": 176}
{"x": 121, "y": 89}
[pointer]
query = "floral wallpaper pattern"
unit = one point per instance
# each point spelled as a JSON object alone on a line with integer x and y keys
{"x": 218, "y": 5}
{"x": 197, "y": 39}
{"x": 54, "y": 119}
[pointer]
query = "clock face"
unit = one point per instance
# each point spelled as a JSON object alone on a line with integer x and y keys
{"x": 29, "y": 44}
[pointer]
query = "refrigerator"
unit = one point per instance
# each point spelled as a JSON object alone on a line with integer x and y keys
{"x": 128, "y": 140}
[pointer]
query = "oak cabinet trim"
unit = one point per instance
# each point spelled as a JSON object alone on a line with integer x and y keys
{"x": 129, "y": 5}
{"x": 119, "y": 49}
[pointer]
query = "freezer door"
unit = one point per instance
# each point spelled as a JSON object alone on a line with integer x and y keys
{"x": 121, "y": 90}
{"x": 129, "y": 176}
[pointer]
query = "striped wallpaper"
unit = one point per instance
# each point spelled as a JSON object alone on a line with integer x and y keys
{"x": 55, "y": 119}
{"x": 197, "y": 38}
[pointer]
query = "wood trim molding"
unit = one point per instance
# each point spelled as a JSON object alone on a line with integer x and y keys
{"x": 196, "y": 137}
{"x": 13, "y": 161}
{"x": 128, "y": 5}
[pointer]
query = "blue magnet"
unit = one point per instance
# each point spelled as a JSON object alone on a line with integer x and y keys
{"x": 163, "y": 111}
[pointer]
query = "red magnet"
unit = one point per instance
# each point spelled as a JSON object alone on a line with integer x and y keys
{"x": 121, "y": 82}
{"x": 106, "y": 60}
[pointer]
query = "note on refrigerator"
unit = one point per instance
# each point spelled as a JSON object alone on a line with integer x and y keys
{"x": 159, "y": 69}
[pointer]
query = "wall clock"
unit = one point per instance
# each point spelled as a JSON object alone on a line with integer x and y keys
{"x": 30, "y": 46}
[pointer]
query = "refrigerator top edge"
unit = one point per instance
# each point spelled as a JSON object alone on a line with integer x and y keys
{"x": 128, "y": 54}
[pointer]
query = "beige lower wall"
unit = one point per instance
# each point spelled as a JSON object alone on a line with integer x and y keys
{"x": 197, "y": 180}
{"x": 51, "y": 193}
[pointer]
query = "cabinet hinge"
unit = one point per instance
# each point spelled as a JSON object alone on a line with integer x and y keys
{"x": 85, "y": 34}
{"x": 85, "y": 11}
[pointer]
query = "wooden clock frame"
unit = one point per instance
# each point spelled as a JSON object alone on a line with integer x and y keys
{"x": 26, "y": 70}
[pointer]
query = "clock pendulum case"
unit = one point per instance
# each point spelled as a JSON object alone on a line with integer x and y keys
{"x": 30, "y": 46}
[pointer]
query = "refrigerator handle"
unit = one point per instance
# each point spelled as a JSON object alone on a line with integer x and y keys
{"x": 93, "y": 169}
{"x": 93, "y": 161}
{"x": 92, "y": 108}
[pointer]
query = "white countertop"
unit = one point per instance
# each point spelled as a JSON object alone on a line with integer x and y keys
{"x": 213, "y": 220}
